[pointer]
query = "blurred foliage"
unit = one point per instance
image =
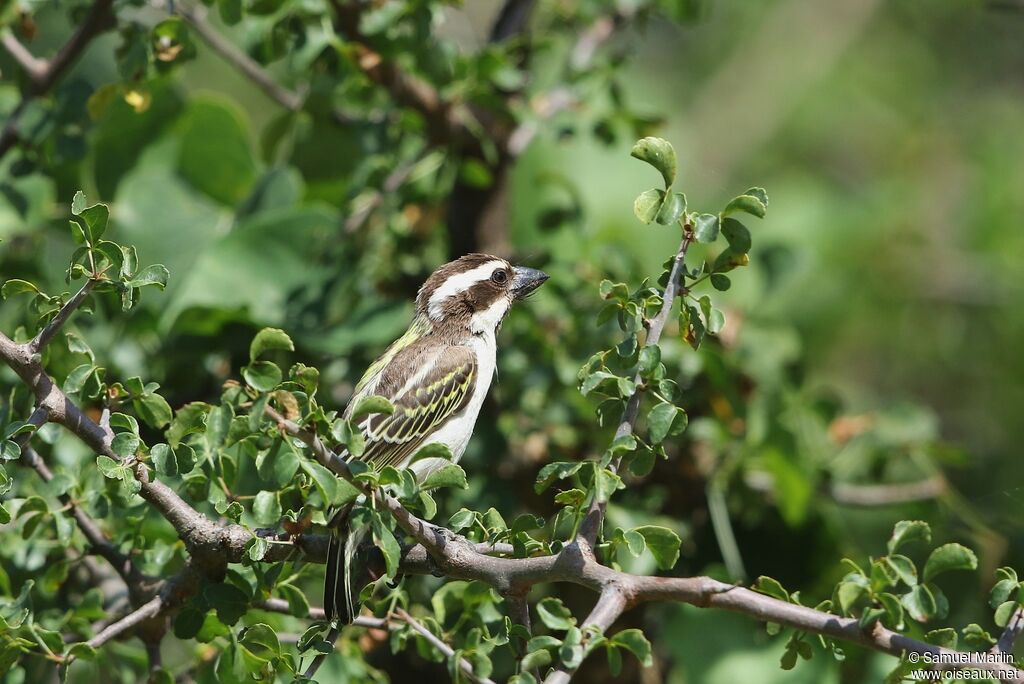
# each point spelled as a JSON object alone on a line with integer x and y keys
{"x": 868, "y": 344}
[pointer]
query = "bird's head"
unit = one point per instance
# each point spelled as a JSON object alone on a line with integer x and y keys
{"x": 475, "y": 292}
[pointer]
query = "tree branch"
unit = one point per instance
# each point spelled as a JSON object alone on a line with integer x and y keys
{"x": 458, "y": 558}
{"x": 607, "y": 610}
{"x": 244, "y": 64}
{"x": 447, "y": 122}
{"x": 591, "y": 526}
{"x": 51, "y": 329}
{"x": 150, "y": 609}
{"x": 464, "y": 665}
{"x": 99, "y": 19}
{"x": 98, "y": 541}
{"x": 34, "y": 67}
{"x": 1010, "y": 634}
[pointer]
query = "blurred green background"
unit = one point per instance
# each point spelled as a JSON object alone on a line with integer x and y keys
{"x": 872, "y": 340}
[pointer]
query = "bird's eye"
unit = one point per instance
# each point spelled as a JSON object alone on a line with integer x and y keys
{"x": 499, "y": 277}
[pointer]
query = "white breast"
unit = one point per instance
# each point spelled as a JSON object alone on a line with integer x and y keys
{"x": 456, "y": 432}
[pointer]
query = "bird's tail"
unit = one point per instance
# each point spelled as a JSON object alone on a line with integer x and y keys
{"x": 351, "y": 565}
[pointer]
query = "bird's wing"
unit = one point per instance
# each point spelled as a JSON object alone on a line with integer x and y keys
{"x": 427, "y": 389}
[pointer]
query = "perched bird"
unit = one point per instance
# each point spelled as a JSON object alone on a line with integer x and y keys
{"x": 436, "y": 375}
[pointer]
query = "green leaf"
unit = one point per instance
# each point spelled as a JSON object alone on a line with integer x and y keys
{"x": 125, "y": 444}
{"x": 230, "y": 11}
{"x": 451, "y": 475}
{"x": 163, "y": 459}
{"x": 750, "y": 204}
{"x": 605, "y": 483}
{"x": 215, "y": 153}
{"x": 737, "y": 235}
{"x": 298, "y": 604}
{"x": 658, "y": 153}
{"x": 903, "y": 567}
{"x": 949, "y": 557}
{"x": 1004, "y": 612}
{"x": 634, "y": 641}
{"x": 946, "y": 637}
{"x": 462, "y": 519}
{"x": 373, "y": 404}
{"x": 920, "y": 603}
{"x": 553, "y": 613}
{"x": 269, "y": 339}
{"x": 555, "y": 471}
{"x": 660, "y": 420}
{"x": 9, "y": 450}
{"x": 386, "y": 542}
{"x": 257, "y": 548}
{"x": 189, "y": 419}
{"x": 647, "y": 204}
{"x": 976, "y": 638}
{"x": 229, "y": 601}
{"x": 672, "y": 207}
{"x": 720, "y": 282}
{"x": 335, "y": 491}
{"x": 188, "y": 622}
{"x": 93, "y": 221}
{"x": 772, "y": 587}
{"x": 1002, "y": 591}
{"x": 705, "y": 228}
{"x": 663, "y": 544}
{"x": 635, "y": 542}
{"x": 906, "y": 531}
{"x": 535, "y": 660}
{"x": 263, "y": 376}
{"x": 434, "y": 450}
{"x": 16, "y": 286}
{"x": 261, "y": 641}
{"x": 649, "y": 358}
{"x": 153, "y": 409}
{"x": 893, "y": 610}
{"x": 266, "y": 508}
{"x": 849, "y": 594}
{"x": 156, "y": 275}
{"x": 716, "y": 321}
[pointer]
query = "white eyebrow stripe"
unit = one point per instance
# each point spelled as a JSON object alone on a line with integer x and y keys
{"x": 457, "y": 283}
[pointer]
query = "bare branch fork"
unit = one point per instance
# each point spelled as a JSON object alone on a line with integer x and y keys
{"x": 211, "y": 545}
{"x": 42, "y": 75}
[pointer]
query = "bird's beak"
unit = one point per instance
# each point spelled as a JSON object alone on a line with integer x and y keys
{"x": 526, "y": 280}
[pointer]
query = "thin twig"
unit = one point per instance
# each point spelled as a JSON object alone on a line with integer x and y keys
{"x": 439, "y": 643}
{"x": 100, "y": 544}
{"x": 33, "y": 66}
{"x": 55, "y": 324}
{"x": 1010, "y": 634}
{"x": 242, "y": 62}
{"x": 148, "y": 610}
{"x": 99, "y": 19}
{"x": 591, "y": 525}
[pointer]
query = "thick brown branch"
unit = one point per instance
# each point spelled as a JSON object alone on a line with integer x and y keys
{"x": 607, "y": 610}
{"x": 458, "y": 558}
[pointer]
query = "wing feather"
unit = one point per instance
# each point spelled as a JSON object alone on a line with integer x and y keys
{"x": 443, "y": 387}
